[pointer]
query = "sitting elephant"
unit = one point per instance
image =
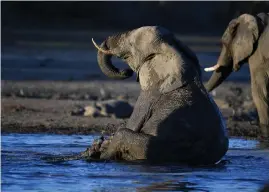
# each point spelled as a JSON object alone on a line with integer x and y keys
{"x": 246, "y": 39}
{"x": 174, "y": 119}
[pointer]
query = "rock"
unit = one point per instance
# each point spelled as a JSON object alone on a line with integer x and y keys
{"x": 93, "y": 111}
{"x": 108, "y": 108}
{"x": 79, "y": 111}
{"x": 116, "y": 108}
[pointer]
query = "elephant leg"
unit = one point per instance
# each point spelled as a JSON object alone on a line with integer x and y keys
{"x": 128, "y": 145}
{"x": 260, "y": 94}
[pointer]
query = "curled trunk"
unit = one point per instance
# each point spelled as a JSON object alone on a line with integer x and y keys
{"x": 105, "y": 64}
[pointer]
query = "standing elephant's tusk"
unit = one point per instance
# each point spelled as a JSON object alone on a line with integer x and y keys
{"x": 108, "y": 52}
{"x": 215, "y": 67}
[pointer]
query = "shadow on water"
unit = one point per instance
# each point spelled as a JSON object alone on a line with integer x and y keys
{"x": 245, "y": 167}
{"x": 171, "y": 186}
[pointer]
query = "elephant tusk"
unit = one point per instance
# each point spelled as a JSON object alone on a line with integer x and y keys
{"x": 215, "y": 67}
{"x": 108, "y": 52}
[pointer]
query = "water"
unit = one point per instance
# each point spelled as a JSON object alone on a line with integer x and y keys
{"x": 246, "y": 169}
{"x": 78, "y": 64}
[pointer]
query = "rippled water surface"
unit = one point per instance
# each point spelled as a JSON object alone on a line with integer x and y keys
{"x": 246, "y": 169}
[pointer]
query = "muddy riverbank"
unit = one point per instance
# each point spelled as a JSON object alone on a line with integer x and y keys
{"x": 46, "y": 106}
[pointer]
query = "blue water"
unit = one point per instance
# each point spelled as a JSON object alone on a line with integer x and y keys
{"x": 246, "y": 169}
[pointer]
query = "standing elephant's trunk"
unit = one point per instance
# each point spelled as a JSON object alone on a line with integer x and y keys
{"x": 104, "y": 61}
{"x": 222, "y": 70}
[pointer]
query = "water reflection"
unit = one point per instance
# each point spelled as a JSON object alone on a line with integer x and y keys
{"x": 171, "y": 186}
{"x": 236, "y": 143}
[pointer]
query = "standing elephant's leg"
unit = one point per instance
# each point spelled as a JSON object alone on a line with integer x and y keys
{"x": 127, "y": 144}
{"x": 260, "y": 94}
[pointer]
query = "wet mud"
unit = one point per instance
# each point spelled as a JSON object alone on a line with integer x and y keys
{"x": 27, "y": 108}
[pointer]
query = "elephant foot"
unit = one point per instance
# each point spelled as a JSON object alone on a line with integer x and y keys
{"x": 98, "y": 146}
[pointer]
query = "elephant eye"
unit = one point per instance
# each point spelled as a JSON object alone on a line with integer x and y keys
{"x": 149, "y": 57}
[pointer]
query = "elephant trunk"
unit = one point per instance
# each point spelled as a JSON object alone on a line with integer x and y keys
{"x": 222, "y": 70}
{"x": 104, "y": 61}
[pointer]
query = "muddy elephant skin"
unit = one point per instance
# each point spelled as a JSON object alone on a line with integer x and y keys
{"x": 174, "y": 119}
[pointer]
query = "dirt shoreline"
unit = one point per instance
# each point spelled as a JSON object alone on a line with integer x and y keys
{"x": 45, "y": 106}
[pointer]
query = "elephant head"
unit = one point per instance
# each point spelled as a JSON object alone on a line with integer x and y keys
{"x": 108, "y": 48}
{"x": 239, "y": 41}
{"x": 153, "y": 53}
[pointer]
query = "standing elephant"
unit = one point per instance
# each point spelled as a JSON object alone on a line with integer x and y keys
{"x": 174, "y": 119}
{"x": 246, "y": 39}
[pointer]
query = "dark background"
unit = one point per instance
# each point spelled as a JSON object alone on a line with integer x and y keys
{"x": 52, "y": 40}
{"x": 183, "y": 17}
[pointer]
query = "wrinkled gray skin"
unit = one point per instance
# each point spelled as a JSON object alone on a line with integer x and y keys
{"x": 174, "y": 119}
{"x": 246, "y": 39}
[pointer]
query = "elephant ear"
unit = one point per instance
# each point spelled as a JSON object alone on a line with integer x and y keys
{"x": 189, "y": 54}
{"x": 245, "y": 31}
{"x": 183, "y": 72}
{"x": 229, "y": 33}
